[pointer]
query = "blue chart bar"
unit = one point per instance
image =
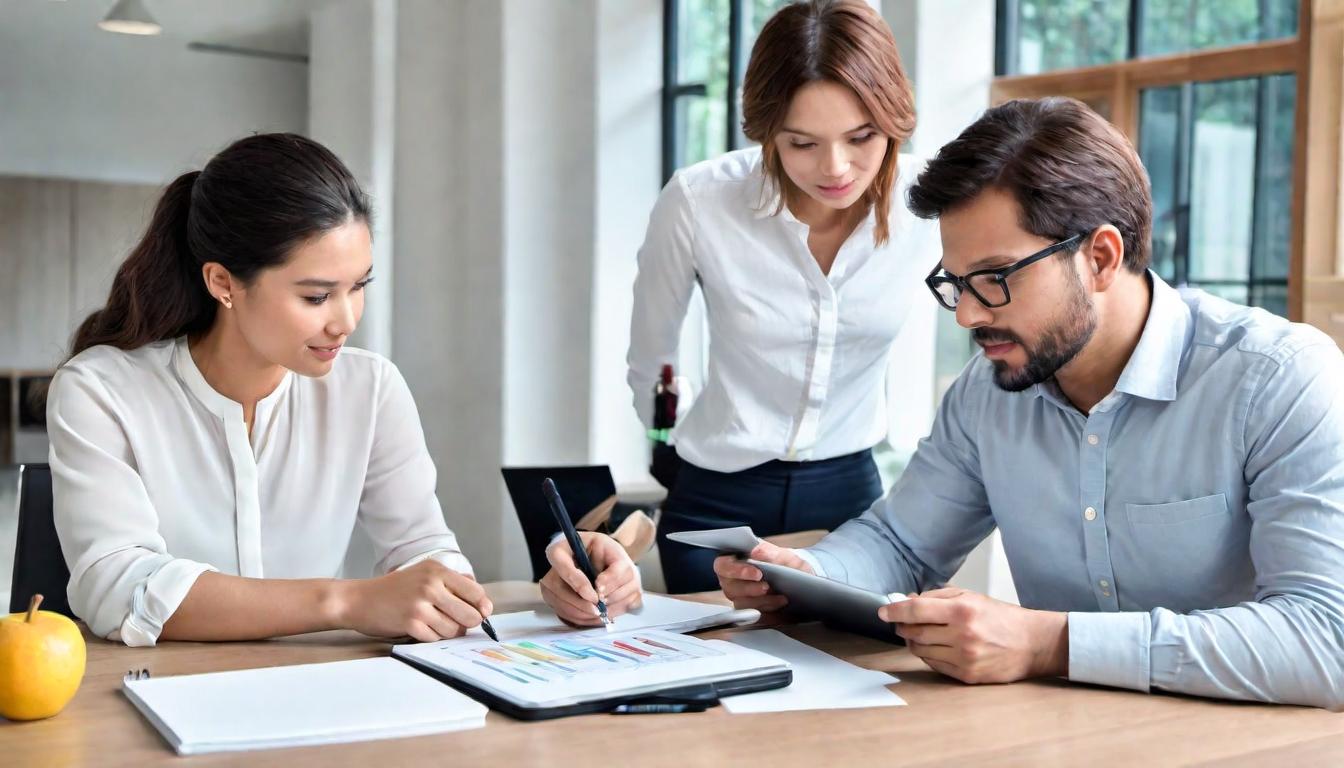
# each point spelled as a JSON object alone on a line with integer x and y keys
{"x": 512, "y": 677}
{"x": 584, "y": 651}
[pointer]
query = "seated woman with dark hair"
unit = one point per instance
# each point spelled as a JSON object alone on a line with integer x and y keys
{"x": 214, "y": 442}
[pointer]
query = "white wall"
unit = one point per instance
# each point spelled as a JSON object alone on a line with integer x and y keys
{"x": 60, "y": 244}
{"x": 550, "y": 209}
{"x": 629, "y": 133}
{"x": 352, "y": 110}
{"x": 80, "y": 103}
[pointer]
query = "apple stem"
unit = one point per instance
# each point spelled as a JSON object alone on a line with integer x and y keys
{"x": 32, "y": 608}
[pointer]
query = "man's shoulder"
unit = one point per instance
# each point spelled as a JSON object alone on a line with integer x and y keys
{"x": 1249, "y": 333}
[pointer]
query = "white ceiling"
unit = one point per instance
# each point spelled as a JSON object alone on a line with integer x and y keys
{"x": 273, "y": 25}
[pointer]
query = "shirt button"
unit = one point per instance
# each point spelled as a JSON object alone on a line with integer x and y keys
{"x": 1104, "y": 583}
{"x": 1093, "y": 440}
{"x": 1090, "y": 513}
{"x": 1105, "y": 593}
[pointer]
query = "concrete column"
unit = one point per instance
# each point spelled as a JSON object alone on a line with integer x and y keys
{"x": 448, "y": 296}
{"x": 550, "y": 217}
{"x": 629, "y": 132}
{"x": 491, "y": 312}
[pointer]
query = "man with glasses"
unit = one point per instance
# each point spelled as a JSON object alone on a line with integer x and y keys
{"x": 1166, "y": 468}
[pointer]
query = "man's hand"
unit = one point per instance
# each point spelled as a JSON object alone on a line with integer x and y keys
{"x": 743, "y": 583}
{"x": 978, "y": 639}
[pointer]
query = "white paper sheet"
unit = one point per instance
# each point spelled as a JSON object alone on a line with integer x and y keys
{"x": 739, "y": 539}
{"x": 820, "y": 680}
{"x": 659, "y": 612}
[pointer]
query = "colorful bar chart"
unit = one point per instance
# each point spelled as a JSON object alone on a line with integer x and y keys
{"x": 547, "y": 659}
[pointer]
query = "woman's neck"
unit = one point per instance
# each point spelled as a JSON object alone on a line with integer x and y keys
{"x": 231, "y": 368}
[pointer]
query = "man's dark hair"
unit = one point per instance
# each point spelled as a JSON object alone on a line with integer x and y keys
{"x": 1068, "y": 169}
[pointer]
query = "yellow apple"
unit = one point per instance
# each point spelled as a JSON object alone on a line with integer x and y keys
{"x": 41, "y": 663}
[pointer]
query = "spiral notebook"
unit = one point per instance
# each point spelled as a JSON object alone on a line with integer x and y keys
{"x": 301, "y": 705}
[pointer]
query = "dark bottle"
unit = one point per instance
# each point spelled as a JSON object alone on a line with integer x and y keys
{"x": 664, "y": 406}
{"x": 665, "y": 462}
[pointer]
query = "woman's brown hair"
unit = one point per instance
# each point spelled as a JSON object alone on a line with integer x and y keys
{"x": 840, "y": 41}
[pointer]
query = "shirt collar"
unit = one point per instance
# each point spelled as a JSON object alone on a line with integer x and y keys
{"x": 1155, "y": 364}
{"x": 216, "y": 403}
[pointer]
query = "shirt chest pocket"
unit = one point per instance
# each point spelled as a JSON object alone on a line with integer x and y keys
{"x": 1176, "y": 512}
{"x": 1184, "y": 555}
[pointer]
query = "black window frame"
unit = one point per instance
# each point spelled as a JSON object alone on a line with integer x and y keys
{"x": 674, "y": 90}
{"x": 1007, "y": 34}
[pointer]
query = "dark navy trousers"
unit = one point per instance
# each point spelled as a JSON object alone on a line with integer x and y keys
{"x": 773, "y": 498}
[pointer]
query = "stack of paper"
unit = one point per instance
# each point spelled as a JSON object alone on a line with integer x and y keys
{"x": 300, "y": 705}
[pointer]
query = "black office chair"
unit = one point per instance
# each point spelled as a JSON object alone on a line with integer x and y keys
{"x": 582, "y": 488}
{"x": 39, "y": 566}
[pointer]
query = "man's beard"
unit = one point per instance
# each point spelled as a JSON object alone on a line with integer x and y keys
{"x": 1056, "y": 348}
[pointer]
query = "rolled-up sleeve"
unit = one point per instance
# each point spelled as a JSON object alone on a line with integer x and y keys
{"x": 399, "y": 509}
{"x": 1287, "y": 645}
{"x": 123, "y": 581}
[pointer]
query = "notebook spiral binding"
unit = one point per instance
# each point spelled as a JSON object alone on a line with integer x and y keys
{"x": 137, "y": 674}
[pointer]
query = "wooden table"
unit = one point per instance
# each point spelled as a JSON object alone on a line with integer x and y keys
{"x": 946, "y": 723}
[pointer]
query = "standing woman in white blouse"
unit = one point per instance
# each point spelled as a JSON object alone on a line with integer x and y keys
{"x": 808, "y": 260}
{"x": 213, "y": 444}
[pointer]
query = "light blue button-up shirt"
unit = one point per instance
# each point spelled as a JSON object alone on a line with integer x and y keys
{"x": 1192, "y": 525}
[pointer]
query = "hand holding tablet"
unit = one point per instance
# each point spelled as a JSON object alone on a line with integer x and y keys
{"x": 768, "y": 577}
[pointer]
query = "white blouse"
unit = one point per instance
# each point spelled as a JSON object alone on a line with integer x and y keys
{"x": 797, "y": 358}
{"x": 155, "y": 480}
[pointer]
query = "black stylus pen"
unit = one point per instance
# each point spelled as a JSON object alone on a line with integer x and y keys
{"x": 575, "y": 543}
{"x": 489, "y": 630}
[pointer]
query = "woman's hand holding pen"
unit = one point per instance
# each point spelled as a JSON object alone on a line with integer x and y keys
{"x": 427, "y": 601}
{"x": 571, "y": 595}
{"x": 744, "y": 583}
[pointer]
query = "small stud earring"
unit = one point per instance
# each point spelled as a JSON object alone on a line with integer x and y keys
{"x": 226, "y": 301}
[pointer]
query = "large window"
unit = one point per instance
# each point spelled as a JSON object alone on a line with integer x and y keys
{"x": 1208, "y": 91}
{"x": 1220, "y": 156}
{"x": 705, "y": 48}
{"x": 1038, "y": 36}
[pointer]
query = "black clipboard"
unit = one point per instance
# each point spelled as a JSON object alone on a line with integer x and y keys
{"x": 699, "y": 692}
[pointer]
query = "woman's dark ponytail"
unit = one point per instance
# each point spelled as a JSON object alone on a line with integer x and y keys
{"x": 246, "y": 210}
{"x": 158, "y": 292}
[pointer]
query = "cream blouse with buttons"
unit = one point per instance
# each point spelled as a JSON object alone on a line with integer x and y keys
{"x": 156, "y": 480}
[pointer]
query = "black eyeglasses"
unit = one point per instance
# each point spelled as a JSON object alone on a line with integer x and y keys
{"x": 988, "y": 286}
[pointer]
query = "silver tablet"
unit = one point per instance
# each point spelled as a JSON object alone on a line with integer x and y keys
{"x": 834, "y": 603}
